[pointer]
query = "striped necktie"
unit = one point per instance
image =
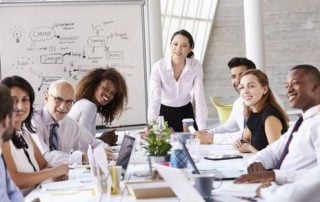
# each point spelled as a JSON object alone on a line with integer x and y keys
{"x": 286, "y": 148}
{"x": 53, "y": 139}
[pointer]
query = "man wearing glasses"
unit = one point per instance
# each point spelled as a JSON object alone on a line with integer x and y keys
{"x": 61, "y": 139}
{"x": 8, "y": 190}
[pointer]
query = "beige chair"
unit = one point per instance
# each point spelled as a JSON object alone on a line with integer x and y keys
{"x": 224, "y": 110}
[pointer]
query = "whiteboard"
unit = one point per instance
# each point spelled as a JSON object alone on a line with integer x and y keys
{"x": 44, "y": 42}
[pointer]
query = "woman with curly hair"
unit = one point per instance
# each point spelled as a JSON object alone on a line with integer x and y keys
{"x": 103, "y": 91}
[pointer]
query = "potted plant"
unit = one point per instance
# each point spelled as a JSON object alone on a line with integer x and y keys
{"x": 158, "y": 144}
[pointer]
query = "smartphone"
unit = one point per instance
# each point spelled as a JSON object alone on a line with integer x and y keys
{"x": 223, "y": 157}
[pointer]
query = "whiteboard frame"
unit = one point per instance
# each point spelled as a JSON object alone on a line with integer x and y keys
{"x": 98, "y": 2}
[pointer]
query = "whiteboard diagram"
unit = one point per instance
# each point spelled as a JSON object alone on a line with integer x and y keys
{"x": 46, "y": 42}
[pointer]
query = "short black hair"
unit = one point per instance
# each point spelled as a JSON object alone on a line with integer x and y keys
{"x": 312, "y": 71}
{"x": 6, "y": 106}
{"x": 241, "y": 61}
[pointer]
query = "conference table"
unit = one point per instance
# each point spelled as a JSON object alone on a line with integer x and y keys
{"x": 80, "y": 185}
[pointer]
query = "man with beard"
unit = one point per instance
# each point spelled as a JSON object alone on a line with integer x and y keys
{"x": 8, "y": 190}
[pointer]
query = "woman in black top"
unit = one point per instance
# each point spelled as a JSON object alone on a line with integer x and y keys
{"x": 266, "y": 120}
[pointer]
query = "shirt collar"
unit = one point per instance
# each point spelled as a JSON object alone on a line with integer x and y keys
{"x": 47, "y": 118}
{"x": 169, "y": 64}
{"x": 311, "y": 112}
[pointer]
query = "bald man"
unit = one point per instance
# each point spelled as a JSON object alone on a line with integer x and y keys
{"x": 61, "y": 139}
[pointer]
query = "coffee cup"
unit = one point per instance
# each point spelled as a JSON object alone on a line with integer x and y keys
{"x": 186, "y": 123}
{"x": 204, "y": 183}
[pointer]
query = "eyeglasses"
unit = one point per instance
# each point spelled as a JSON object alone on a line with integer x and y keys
{"x": 60, "y": 100}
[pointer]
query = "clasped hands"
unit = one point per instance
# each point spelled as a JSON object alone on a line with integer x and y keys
{"x": 257, "y": 173}
{"x": 204, "y": 137}
{"x": 243, "y": 146}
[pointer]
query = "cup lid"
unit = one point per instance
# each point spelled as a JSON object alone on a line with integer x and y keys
{"x": 188, "y": 120}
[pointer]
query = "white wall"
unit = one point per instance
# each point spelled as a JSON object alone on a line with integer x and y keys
{"x": 292, "y": 36}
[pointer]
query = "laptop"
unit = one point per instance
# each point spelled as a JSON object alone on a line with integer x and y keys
{"x": 229, "y": 174}
{"x": 179, "y": 183}
{"x": 125, "y": 152}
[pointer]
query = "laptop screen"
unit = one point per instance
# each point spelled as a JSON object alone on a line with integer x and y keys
{"x": 125, "y": 151}
{"x": 185, "y": 149}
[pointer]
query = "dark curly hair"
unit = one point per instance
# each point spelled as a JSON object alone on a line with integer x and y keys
{"x": 17, "y": 81}
{"x": 90, "y": 82}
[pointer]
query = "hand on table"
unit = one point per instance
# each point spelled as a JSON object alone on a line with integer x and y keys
{"x": 263, "y": 185}
{"x": 257, "y": 177}
{"x": 256, "y": 167}
{"x": 60, "y": 172}
{"x": 204, "y": 137}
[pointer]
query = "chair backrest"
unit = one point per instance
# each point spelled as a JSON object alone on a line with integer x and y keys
{"x": 224, "y": 110}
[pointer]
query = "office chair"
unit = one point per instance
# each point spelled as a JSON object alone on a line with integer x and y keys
{"x": 224, "y": 110}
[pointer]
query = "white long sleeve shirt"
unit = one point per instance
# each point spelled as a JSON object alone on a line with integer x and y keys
{"x": 304, "y": 188}
{"x": 73, "y": 139}
{"x": 164, "y": 89}
{"x": 304, "y": 149}
{"x": 84, "y": 112}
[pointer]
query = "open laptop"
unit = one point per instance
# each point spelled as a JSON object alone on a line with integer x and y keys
{"x": 179, "y": 183}
{"x": 125, "y": 152}
{"x": 229, "y": 174}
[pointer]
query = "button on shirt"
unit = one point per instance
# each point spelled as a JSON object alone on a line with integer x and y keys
{"x": 8, "y": 190}
{"x": 304, "y": 149}
{"x": 73, "y": 138}
{"x": 164, "y": 89}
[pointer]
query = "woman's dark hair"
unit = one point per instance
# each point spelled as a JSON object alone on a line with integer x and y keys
{"x": 17, "y": 81}
{"x": 190, "y": 39}
{"x": 267, "y": 98}
{"x": 90, "y": 82}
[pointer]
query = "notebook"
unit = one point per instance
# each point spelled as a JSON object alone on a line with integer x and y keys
{"x": 228, "y": 174}
{"x": 125, "y": 152}
{"x": 179, "y": 183}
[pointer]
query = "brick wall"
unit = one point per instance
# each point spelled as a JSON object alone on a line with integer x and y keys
{"x": 292, "y": 36}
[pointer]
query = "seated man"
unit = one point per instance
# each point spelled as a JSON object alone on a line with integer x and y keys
{"x": 236, "y": 121}
{"x": 8, "y": 189}
{"x": 299, "y": 147}
{"x": 304, "y": 188}
{"x": 61, "y": 139}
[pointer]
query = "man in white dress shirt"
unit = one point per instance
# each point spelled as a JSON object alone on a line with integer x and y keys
{"x": 72, "y": 139}
{"x": 303, "y": 151}
{"x": 236, "y": 121}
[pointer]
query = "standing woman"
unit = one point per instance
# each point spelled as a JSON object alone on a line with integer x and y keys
{"x": 103, "y": 91}
{"x": 24, "y": 160}
{"x": 266, "y": 119}
{"x": 175, "y": 80}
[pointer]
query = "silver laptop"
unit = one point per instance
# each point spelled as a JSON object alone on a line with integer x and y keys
{"x": 179, "y": 183}
{"x": 125, "y": 152}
